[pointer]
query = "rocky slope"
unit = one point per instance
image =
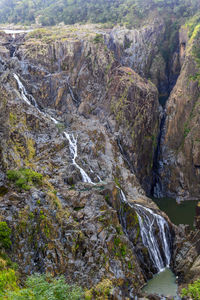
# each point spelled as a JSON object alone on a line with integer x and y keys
{"x": 80, "y": 62}
{"x": 59, "y": 223}
{"x": 84, "y": 93}
{"x": 179, "y": 157}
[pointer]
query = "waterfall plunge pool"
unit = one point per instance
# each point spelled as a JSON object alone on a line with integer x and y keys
{"x": 162, "y": 284}
{"x": 182, "y": 213}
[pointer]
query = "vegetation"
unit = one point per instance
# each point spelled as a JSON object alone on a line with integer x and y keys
{"x": 24, "y": 178}
{"x": 124, "y": 12}
{"x": 37, "y": 287}
{"x": 196, "y": 51}
{"x": 193, "y": 291}
{"x": 5, "y": 233}
{"x": 8, "y": 282}
{"x": 98, "y": 39}
{"x": 102, "y": 291}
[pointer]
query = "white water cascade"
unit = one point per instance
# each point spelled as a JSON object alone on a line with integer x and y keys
{"x": 149, "y": 222}
{"x": 155, "y": 234}
{"x": 26, "y": 97}
{"x": 22, "y": 89}
{"x": 71, "y": 139}
{"x": 73, "y": 149}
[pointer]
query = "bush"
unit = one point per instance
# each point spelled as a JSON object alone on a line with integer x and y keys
{"x": 23, "y": 178}
{"x": 40, "y": 287}
{"x": 103, "y": 290}
{"x": 98, "y": 38}
{"x": 5, "y": 233}
{"x": 193, "y": 291}
{"x": 8, "y": 281}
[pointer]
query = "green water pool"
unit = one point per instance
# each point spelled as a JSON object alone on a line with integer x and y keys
{"x": 182, "y": 213}
{"x": 163, "y": 283}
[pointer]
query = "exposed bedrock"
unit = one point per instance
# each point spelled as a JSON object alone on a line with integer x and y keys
{"x": 179, "y": 150}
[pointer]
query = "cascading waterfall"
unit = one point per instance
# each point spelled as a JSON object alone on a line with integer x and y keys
{"x": 154, "y": 241}
{"x": 22, "y": 89}
{"x": 73, "y": 149}
{"x": 71, "y": 139}
{"x": 149, "y": 222}
{"x": 26, "y": 97}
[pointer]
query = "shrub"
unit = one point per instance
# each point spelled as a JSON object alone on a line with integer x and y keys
{"x": 5, "y": 232}
{"x": 39, "y": 287}
{"x": 193, "y": 291}
{"x": 8, "y": 281}
{"x": 102, "y": 291}
{"x": 23, "y": 178}
{"x": 98, "y": 38}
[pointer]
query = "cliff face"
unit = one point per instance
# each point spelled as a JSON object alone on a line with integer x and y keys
{"x": 79, "y": 73}
{"x": 103, "y": 110}
{"x": 78, "y": 108}
{"x": 179, "y": 160}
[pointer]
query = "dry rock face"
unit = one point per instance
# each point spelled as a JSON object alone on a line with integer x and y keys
{"x": 179, "y": 160}
{"x": 131, "y": 99}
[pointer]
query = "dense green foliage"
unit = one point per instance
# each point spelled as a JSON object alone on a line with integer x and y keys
{"x": 5, "y": 233}
{"x": 193, "y": 291}
{"x": 8, "y": 282}
{"x": 40, "y": 287}
{"x": 127, "y": 12}
{"x": 24, "y": 178}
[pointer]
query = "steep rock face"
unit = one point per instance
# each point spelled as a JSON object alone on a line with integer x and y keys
{"x": 151, "y": 51}
{"x": 79, "y": 73}
{"x": 179, "y": 161}
{"x": 61, "y": 225}
{"x": 138, "y": 48}
{"x": 131, "y": 100}
{"x": 186, "y": 256}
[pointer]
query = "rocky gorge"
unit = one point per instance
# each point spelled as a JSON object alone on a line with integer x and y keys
{"x": 80, "y": 110}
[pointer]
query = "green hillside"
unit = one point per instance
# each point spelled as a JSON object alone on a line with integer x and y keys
{"x": 124, "y": 12}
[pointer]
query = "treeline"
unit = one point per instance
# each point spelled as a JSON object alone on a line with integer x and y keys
{"x": 123, "y": 12}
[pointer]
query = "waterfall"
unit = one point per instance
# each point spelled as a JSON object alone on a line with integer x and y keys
{"x": 150, "y": 222}
{"x": 155, "y": 234}
{"x": 73, "y": 149}
{"x": 71, "y": 92}
{"x": 22, "y": 89}
{"x": 71, "y": 139}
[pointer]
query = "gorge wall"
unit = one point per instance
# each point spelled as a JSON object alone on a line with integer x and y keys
{"x": 179, "y": 155}
{"x": 102, "y": 88}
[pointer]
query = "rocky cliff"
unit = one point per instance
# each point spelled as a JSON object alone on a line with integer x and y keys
{"x": 77, "y": 128}
{"x": 179, "y": 157}
{"x": 80, "y": 131}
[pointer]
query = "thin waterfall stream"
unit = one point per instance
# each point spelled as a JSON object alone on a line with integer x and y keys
{"x": 154, "y": 228}
{"x": 73, "y": 149}
{"x": 71, "y": 139}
